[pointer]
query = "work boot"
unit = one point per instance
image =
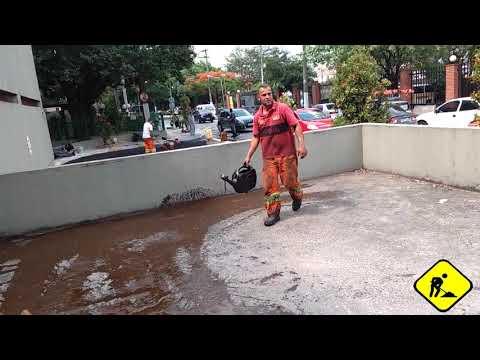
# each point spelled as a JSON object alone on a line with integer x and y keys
{"x": 296, "y": 204}
{"x": 272, "y": 219}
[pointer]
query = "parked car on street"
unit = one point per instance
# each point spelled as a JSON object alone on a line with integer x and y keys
{"x": 399, "y": 102}
{"x": 243, "y": 119}
{"x": 454, "y": 113}
{"x": 314, "y": 120}
{"x": 329, "y": 108}
{"x": 397, "y": 115}
{"x": 202, "y": 118}
{"x": 206, "y": 109}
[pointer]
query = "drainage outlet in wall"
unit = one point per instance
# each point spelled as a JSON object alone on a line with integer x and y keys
{"x": 29, "y": 144}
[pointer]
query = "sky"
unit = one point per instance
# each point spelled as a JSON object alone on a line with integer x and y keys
{"x": 218, "y": 53}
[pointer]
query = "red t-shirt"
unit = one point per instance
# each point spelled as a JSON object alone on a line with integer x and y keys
{"x": 274, "y": 128}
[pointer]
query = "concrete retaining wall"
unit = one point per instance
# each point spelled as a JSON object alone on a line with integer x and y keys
{"x": 332, "y": 151}
{"x": 74, "y": 193}
{"x": 446, "y": 155}
{"x": 79, "y": 192}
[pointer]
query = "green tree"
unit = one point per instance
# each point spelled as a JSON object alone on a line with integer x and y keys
{"x": 81, "y": 73}
{"x": 281, "y": 70}
{"x": 111, "y": 110}
{"x": 358, "y": 89}
{"x": 475, "y": 78}
{"x": 196, "y": 88}
{"x": 197, "y": 84}
{"x": 390, "y": 58}
{"x": 245, "y": 62}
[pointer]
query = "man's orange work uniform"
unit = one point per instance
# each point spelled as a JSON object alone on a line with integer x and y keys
{"x": 273, "y": 127}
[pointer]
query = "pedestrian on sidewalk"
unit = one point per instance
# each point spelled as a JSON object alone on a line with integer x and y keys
{"x": 191, "y": 120}
{"x": 232, "y": 119}
{"x": 148, "y": 137}
{"x": 275, "y": 126}
{"x": 185, "y": 114}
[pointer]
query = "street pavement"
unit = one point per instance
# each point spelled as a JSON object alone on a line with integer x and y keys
{"x": 242, "y": 135}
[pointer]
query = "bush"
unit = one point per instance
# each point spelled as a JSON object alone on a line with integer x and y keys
{"x": 358, "y": 90}
{"x": 476, "y": 74}
{"x": 104, "y": 129}
{"x": 340, "y": 121}
{"x": 476, "y": 79}
{"x": 287, "y": 99}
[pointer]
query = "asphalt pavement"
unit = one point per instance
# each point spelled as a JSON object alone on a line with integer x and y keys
{"x": 242, "y": 135}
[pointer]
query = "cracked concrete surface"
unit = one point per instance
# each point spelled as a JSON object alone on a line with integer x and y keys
{"x": 356, "y": 251}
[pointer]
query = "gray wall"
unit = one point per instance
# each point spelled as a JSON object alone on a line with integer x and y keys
{"x": 79, "y": 192}
{"x": 449, "y": 156}
{"x": 17, "y": 121}
{"x": 17, "y": 71}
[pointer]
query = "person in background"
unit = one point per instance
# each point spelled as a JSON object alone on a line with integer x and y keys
{"x": 233, "y": 120}
{"x": 148, "y": 137}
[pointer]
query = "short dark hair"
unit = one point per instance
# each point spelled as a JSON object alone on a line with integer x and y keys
{"x": 263, "y": 86}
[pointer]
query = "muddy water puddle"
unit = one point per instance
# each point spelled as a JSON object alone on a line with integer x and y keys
{"x": 147, "y": 263}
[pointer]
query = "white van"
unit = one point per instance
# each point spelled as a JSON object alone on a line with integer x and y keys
{"x": 207, "y": 109}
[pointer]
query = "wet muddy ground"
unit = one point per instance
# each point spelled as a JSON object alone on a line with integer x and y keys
{"x": 356, "y": 247}
{"x": 143, "y": 264}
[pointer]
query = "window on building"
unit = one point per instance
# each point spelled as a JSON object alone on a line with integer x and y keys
{"x": 30, "y": 102}
{"x": 7, "y": 96}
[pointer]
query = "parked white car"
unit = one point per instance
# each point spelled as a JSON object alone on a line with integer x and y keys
{"x": 329, "y": 108}
{"x": 453, "y": 113}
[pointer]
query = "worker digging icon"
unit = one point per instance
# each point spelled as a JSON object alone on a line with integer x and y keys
{"x": 436, "y": 284}
{"x": 443, "y": 285}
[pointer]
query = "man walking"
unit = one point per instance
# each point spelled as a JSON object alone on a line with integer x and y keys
{"x": 274, "y": 126}
{"x": 148, "y": 137}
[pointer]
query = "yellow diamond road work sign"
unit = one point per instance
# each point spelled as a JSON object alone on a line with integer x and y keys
{"x": 443, "y": 285}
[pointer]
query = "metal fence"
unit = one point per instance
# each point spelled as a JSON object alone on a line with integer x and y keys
{"x": 466, "y": 85}
{"x": 428, "y": 86}
{"x": 325, "y": 92}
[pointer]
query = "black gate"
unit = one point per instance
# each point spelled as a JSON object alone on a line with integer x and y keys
{"x": 428, "y": 85}
{"x": 466, "y": 85}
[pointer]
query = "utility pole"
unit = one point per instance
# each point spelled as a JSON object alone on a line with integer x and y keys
{"x": 205, "y": 51}
{"x": 208, "y": 69}
{"x": 305, "y": 85}
{"x": 223, "y": 94}
{"x": 261, "y": 63}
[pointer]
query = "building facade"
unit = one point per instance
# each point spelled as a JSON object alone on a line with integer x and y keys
{"x": 24, "y": 138}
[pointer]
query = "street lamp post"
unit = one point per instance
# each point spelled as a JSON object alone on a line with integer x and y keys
{"x": 261, "y": 63}
{"x": 223, "y": 93}
{"x": 124, "y": 92}
{"x": 238, "y": 99}
{"x": 209, "y": 91}
{"x": 305, "y": 86}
